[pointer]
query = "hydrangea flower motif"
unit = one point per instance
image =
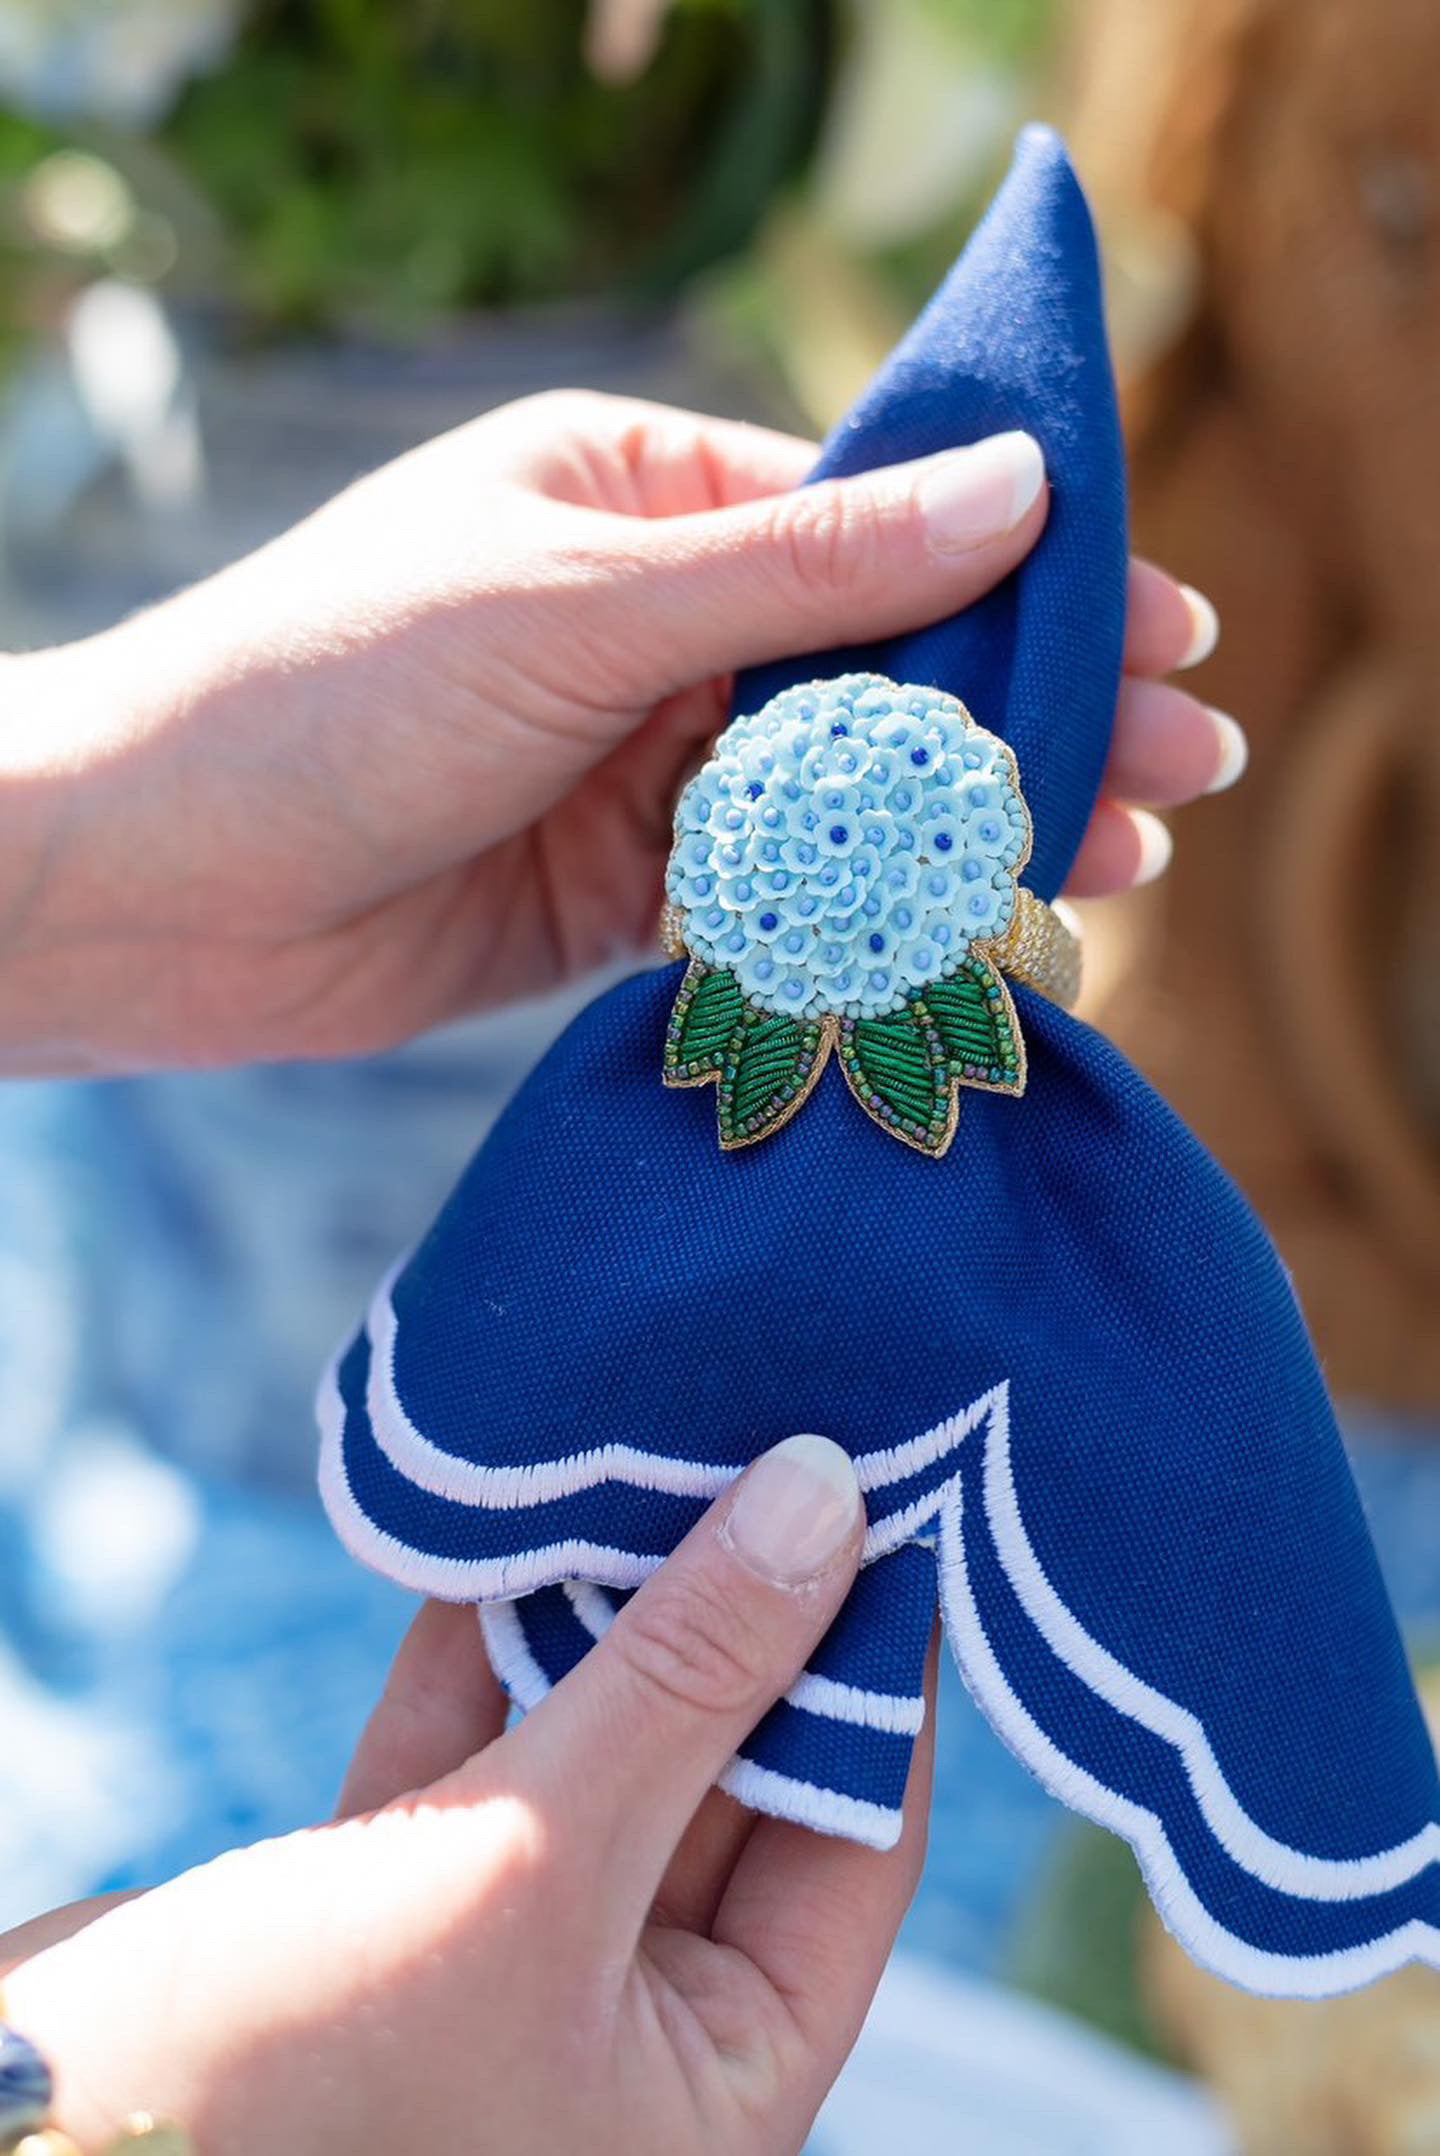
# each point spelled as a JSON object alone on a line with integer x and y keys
{"x": 863, "y": 786}
{"x": 844, "y": 864}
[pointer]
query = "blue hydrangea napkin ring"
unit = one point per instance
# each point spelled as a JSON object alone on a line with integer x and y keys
{"x": 1066, "y": 1361}
{"x": 846, "y": 877}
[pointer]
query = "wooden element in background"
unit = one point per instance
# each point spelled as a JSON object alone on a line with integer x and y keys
{"x": 1267, "y": 174}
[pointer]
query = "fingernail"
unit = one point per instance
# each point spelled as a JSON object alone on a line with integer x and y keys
{"x": 970, "y": 495}
{"x": 1234, "y": 751}
{"x": 1156, "y": 846}
{"x": 794, "y": 1511}
{"x": 1204, "y": 627}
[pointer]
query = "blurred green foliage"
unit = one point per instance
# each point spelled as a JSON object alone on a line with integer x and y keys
{"x": 1008, "y": 32}
{"x": 384, "y": 162}
{"x": 1009, "y": 37}
{"x": 1078, "y": 1946}
{"x": 388, "y": 162}
{"x": 381, "y": 164}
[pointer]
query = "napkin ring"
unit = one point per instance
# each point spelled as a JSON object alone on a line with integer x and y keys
{"x": 845, "y": 878}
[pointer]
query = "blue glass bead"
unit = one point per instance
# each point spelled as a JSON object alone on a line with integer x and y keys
{"x": 26, "y": 2087}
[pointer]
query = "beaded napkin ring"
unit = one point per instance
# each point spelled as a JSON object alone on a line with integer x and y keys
{"x": 845, "y": 876}
{"x": 27, "y": 2090}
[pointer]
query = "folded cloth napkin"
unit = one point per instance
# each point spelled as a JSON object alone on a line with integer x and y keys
{"x": 1070, "y": 1369}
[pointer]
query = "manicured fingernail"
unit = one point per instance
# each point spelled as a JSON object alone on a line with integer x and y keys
{"x": 1156, "y": 846}
{"x": 1234, "y": 751}
{"x": 969, "y": 496}
{"x": 794, "y": 1511}
{"x": 1204, "y": 626}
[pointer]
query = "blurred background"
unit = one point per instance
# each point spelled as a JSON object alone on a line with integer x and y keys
{"x": 250, "y": 248}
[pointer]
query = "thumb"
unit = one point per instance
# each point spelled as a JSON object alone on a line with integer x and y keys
{"x": 839, "y": 562}
{"x": 622, "y": 1752}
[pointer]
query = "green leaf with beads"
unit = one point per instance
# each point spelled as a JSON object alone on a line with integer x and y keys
{"x": 975, "y": 1018}
{"x": 705, "y": 1020}
{"x": 898, "y": 1070}
{"x": 773, "y": 1063}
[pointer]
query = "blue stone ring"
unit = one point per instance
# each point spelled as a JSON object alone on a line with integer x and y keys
{"x": 26, "y": 2087}
{"x": 845, "y": 878}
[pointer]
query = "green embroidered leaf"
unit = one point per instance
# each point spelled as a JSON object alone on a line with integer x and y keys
{"x": 773, "y": 1063}
{"x": 706, "y": 1017}
{"x": 975, "y": 1019}
{"x": 898, "y": 1071}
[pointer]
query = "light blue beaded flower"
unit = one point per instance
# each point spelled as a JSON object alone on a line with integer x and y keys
{"x": 841, "y": 865}
{"x": 834, "y": 795}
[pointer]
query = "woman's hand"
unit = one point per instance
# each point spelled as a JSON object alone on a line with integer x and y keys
{"x": 565, "y": 1939}
{"x": 420, "y": 754}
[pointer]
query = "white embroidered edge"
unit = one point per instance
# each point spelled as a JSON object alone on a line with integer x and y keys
{"x": 1274, "y": 1863}
{"x": 1286, "y": 1869}
{"x": 452, "y": 1579}
{"x": 782, "y": 1796}
{"x": 1287, "y": 1976}
{"x": 460, "y": 1579}
{"x": 541, "y": 1482}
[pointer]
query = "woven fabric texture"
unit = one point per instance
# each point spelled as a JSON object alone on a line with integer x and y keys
{"x": 1069, "y": 1366}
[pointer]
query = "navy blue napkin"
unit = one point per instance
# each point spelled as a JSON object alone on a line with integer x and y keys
{"x": 1065, "y": 1358}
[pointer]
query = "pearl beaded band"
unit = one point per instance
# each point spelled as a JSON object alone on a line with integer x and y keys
{"x": 1041, "y": 949}
{"x": 27, "y": 2091}
{"x": 845, "y": 876}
